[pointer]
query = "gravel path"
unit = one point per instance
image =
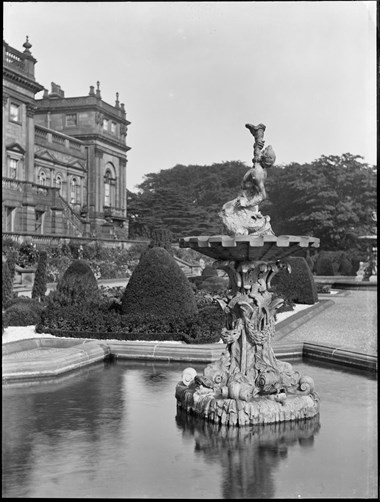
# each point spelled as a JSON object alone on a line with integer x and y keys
{"x": 350, "y": 323}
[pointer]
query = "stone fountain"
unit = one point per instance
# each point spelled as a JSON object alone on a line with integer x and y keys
{"x": 248, "y": 385}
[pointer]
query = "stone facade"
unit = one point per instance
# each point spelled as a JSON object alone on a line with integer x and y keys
{"x": 64, "y": 159}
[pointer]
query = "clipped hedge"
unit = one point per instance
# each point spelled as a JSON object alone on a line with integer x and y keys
{"x": 298, "y": 286}
{"x": 102, "y": 323}
{"x": 157, "y": 304}
{"x": 72, "y": 318}
{"x": 207, "y": 326}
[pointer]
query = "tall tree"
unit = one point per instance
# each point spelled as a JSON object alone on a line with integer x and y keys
{"x": 328, "y": 198}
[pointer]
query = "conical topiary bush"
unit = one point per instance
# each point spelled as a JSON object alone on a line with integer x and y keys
{"x": 7, "y": 285}
{"x": 158, "y": 287}
{"x": 40, "y": 278}
{"x": 298, "y": 286}
{"x": 78, "y": 285}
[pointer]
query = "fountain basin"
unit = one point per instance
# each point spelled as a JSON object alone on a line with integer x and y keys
{"x": 241, "y": 248}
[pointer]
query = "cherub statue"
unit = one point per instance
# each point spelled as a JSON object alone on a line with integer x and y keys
{"x": 241, "y": 216}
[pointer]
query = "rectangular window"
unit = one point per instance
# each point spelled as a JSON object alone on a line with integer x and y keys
{"x": 113, "y": 128}
{"x": 77, "y": 194}
{"x": 105, "y": 124}
{"x": 71, "y": 120}
{"x": 39, "y": 222}
{"x": 9, "y": 225}
{"x": 107, "y": 198}
{"x": 12, "y": 168}
{"x": 14, "y": 112}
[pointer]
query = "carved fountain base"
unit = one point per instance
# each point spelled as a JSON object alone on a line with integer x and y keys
{"x": 235, "y": 412}
{"x": 248, "y": 385}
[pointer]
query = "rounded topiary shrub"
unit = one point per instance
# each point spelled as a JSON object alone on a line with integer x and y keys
{"x": 158, "y": 287}
{"x": 77, "y": 286}
{"x": 22, "y": 314}
{"x": 298, "y": 286}
{"x": 324, "y": 266}
{"x": 345, "y": 266}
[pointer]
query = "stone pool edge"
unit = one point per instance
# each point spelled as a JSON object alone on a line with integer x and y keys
{"x": 88, "y": 352}
{"x": 76, "y": 353}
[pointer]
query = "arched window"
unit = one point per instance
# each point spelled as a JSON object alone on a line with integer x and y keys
{"x": 107, "y": 188}
{"x": 58, "y": 183}
{"x": 42, "y": 178}
{"x": 74, "y": 191}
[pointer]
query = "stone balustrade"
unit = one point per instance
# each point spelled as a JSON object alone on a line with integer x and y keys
{"x": 13, "y": 57}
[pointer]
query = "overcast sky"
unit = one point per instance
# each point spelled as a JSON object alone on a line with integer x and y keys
{"x": 192, "y": 74}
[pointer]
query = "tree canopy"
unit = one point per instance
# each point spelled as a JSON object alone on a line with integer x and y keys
{"x": 331, "y": 198}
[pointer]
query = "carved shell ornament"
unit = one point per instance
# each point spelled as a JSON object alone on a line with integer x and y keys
{"x": 188, "y": 375}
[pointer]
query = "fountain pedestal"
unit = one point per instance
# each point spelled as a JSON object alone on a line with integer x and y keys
{"x": 248, "y": 385}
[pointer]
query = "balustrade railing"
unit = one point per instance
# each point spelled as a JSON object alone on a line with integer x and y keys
{"x": 14, "y": 58}
{"x": 71, "y": 216}
{"x": 44, "y": 240}
{"x": 12, "y": 184}
{"x": 57, "y": 138}
{"x": 40, "y": 132}
{"x": 21, "y": 185}
{"x": 113, "y": 211}
{"x": 75, "y": 145}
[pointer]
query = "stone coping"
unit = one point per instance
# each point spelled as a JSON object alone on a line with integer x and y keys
{"x": 47, "y": 358}
{"x": 38, "y": 358}
{"x": 345, "y": 282}
{"x": 339, "y": 356}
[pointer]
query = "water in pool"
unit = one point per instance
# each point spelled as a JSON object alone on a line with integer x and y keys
{"x": 113, "y": 430}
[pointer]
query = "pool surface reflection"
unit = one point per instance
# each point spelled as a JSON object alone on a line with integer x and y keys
{"x": 113, "y": 430}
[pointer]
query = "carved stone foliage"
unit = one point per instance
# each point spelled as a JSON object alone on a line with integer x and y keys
{"x": 99, "y": 118}
{"x": 30, "y": 110}
{"x": 248, "y": 371}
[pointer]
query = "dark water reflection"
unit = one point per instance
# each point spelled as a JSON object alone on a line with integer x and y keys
{"x": 113, "y": 430}
{"x": 247, "y": 455}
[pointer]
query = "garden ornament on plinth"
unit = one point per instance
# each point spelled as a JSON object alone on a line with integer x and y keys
{"x": 248, "y": 385}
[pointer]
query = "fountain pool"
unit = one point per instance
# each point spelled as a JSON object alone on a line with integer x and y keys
{"x": 113, "y": 430}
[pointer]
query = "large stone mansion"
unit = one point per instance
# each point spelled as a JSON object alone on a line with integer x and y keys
{"x": 64, "y": 159}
